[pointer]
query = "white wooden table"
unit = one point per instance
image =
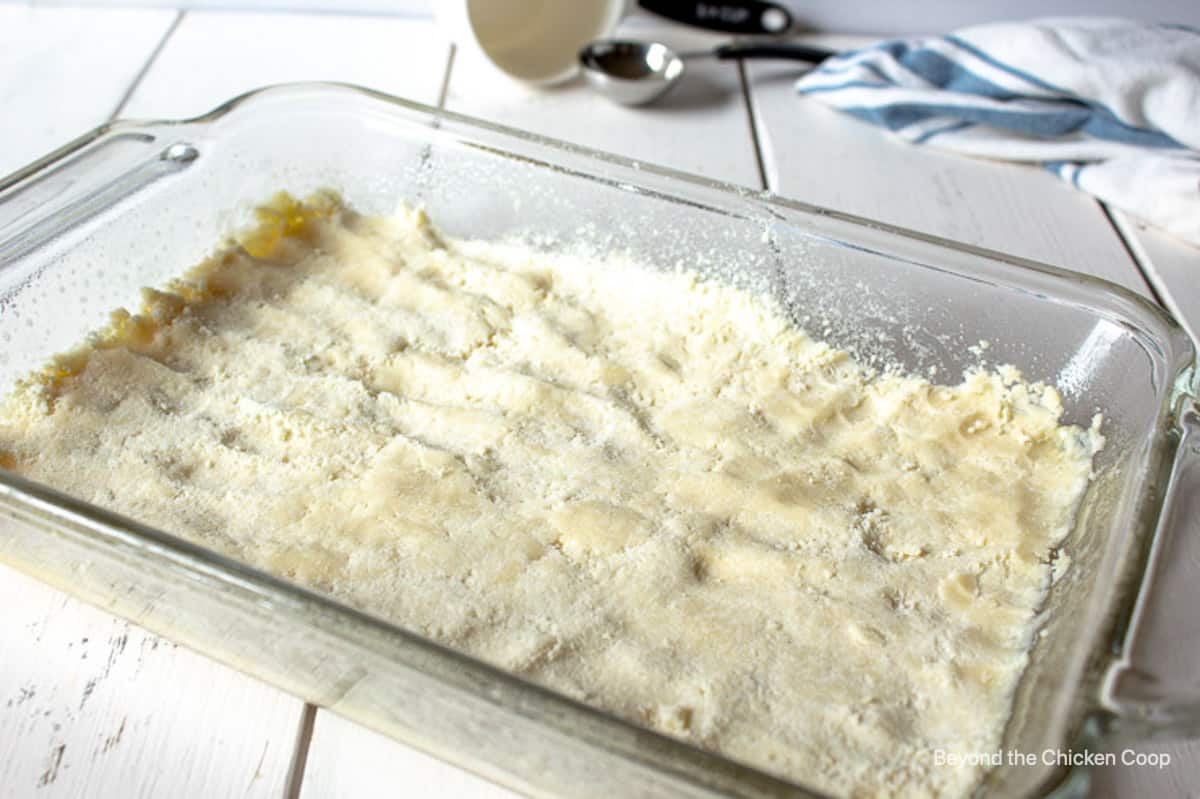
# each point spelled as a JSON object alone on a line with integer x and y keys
{"x": 91, "y": 705}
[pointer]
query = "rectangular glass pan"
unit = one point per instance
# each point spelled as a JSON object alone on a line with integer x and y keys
{"x": 132, "y": 204}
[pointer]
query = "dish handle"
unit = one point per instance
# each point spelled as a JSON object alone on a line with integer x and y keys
{"x": 1154, "y": 691}
{"x": 80, "y": 180}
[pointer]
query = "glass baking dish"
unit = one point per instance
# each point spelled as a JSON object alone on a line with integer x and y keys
{"x": 132, "y": 204}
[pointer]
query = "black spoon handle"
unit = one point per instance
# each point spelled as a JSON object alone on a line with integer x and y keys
{"x": 794, "y": 52}
{"x": 731, "y": 16}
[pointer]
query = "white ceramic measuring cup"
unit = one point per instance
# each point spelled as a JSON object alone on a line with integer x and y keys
{"x": 534, "y": 41}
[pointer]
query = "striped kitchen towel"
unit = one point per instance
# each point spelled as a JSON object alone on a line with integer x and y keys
{"x": 1111, "y": 105}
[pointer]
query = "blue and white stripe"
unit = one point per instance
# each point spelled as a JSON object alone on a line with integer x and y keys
{"x": 1076, "y": 95}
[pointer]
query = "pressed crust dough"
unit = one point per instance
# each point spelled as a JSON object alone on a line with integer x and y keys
{"x": 648, "y": 491}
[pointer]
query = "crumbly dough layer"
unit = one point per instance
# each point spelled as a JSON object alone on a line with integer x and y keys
{"x": 648, "y": 491}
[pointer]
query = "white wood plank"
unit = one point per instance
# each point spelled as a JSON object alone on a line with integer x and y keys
{"x": 94, "y": 706}
{"x": 1172, "y": 266}
{"x": 346, "y": 759}
{"x": 701, "y": 126}
{"x": 63, "y": 71}
{"x": 416, "y": 8}
{"x": 823, "y": 15}
{"x": 214, "y": 56}
{"x": 818, "y": 155}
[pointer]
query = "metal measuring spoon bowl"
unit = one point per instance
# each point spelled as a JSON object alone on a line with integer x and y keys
{"x": 630, "y": 73}
{"x": 636, "y": 73}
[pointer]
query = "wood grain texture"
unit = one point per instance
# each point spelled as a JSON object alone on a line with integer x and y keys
{"x": 49, "y": 98}
{"x": 816, "y": 154}
{"x": 346, "y": 759}
{"x": 93, "y": 706}
{"x": 701, "y": 126}
{"x": 214, "y": 56}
